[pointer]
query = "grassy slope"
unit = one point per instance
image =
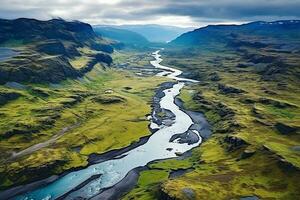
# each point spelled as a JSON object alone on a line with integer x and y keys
{"x": 218, "y": 173}
{"x": 48, "y": 54}
{"x": 101, "y": 124}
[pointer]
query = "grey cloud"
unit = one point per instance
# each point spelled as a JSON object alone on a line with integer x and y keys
{"x": 127, "y": 11}
{"x": 228, "y": 9}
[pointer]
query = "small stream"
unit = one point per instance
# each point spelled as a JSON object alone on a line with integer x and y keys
{"x": 113, "y": 171}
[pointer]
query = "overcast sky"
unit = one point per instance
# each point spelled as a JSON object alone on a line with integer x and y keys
{"x": 167, "y": 12}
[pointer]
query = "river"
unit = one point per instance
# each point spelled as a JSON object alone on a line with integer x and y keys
{"x": 112, "y": 171}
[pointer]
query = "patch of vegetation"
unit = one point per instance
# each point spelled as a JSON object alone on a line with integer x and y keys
{"x": 78, "y": 116}
{"x": 255, "y": 123}
{"x": 80, "y": 62}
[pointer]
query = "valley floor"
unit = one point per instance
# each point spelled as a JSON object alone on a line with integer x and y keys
{"x": 254, "y": 151}
{"x": 49, "y": 129}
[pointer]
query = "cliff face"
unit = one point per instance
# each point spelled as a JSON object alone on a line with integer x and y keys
{"x": 46, "y": 47}
{"x": 32, "y": 30}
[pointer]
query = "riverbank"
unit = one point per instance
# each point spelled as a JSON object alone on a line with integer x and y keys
{"x": 248, "y": 155}
{"x": 56, "y": 106}
{"x": 112, "y": 171}
{"x": 132, "y": 177}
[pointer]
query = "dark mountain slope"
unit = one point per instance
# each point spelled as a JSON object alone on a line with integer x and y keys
{"x": 31, "y": 30}
{"x": 46, "y": 47}
{"x": 156, "y": 33}
{"x": 269, "y": 31}
{"x": 122, "y": 35}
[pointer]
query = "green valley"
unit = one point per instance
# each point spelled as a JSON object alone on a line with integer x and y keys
{"x": 115, "y": 112}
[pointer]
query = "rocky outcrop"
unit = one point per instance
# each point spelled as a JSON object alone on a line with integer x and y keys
{"x": 189, "y": 193}
{"x": 51, "y": 47}
{"x": 234, "y": 143}
{"x": 108, "y": 99}
{"x": 281, "y": 161}
{"x": 55, "y": 47}
{"x": 225, "y": 89}
{"x": 6, "y": 96}
{"x": 244, "y": 65}
{"x": 98, "y": 58}
{"x": 165, "y": 196}
{"x": 285, "y": 129}
{"x": 31, "y": 69}
{"x": 105, "y": 58}
{"x": 179, "y": 172}
{"x": 257, "y": 58}
{"x": 214, "y": 76}
{"x": 102, "y": 47}
{"x": 247, "y": 153}
{"x": 221, "y": 116}
{"x": 275, "y": 103}
{"x": 189, "y": 137}
{"x": 186, "y": 193}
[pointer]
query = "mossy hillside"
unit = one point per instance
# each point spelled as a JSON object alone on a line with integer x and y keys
{"x": 221, "y": 176}
{"x": 149, "y": 182}
{"x": 221, "y": 169}
{"x": 50, "y": 55}
{"x": 254, "y": 120}
{"x": 256, "y": 90}
{"x": 218, "y": 174}
{"x": 42, "y": 111}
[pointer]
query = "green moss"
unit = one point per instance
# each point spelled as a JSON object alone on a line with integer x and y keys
{"x": 150, "y": 177}
{"x": 43, "y": 112}
{"x": 219, "y": 173}
{"x": 147, "y": 183}
{"x": 171, "y": 164}
{"x": 186, "y": 96}
{"x": 80, "y": 62}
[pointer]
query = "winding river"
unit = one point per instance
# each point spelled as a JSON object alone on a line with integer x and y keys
{"x": 113, "y": 171}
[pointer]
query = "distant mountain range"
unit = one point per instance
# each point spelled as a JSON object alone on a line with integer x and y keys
{"x": 126, "y": 37}
{"x": 153, "y": 32}
{"x": 254, "y": 31}
{"x": 48, "y": 47}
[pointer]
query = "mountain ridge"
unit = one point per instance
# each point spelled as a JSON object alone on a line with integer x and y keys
{"x": 124, "y": 36}
{"x": 154, "y": 32}
{"x": 219, "y": 33}
{"x": 46, "y": 48}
